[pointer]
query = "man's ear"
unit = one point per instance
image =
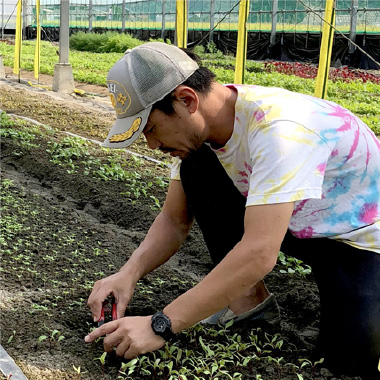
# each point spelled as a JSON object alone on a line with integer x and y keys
{"x": 188, "y": 97}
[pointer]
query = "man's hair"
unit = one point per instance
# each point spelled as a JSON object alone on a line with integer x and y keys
{"x": 200, "y": 81}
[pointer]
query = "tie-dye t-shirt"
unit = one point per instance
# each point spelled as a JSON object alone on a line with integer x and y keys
{"x": 292, "y": 147}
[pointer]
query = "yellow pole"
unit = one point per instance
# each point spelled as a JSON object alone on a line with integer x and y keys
{"x": 37, "y": 53}
{"x": 18, "y": 39}
{"x": 241, "y": 49}
{"x": 326, "y": 49}
{"x": 181, "y": 23}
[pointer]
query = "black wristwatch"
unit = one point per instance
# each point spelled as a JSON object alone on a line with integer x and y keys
{"x": 162, "y": 326}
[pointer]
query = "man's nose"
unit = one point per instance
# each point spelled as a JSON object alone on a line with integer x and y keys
{"x": 153, "y": 143}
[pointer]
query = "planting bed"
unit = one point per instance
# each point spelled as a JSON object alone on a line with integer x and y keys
{"x": 71, "y": 214}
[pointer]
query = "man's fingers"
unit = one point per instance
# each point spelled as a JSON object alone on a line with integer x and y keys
{"x": 96, "y": 292}
{"x": 112, "y": 341}
{"x": 120, "y": 308}
{"x": 122, "y": 347}
{"x": 105, "y": 329}
{"x": 96, "y": 309}
{"x": 131, "y": 353}
{"x": 95, "y": 301}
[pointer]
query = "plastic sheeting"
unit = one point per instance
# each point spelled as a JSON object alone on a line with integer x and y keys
{"x": 304, "y": 47}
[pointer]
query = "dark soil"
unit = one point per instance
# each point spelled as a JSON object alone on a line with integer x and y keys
{"x": 63, "y": 231}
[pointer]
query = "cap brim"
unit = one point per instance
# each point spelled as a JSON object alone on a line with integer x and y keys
{"x": 125, "y": 131}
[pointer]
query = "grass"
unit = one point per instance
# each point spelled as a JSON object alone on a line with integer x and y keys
{"x": 361, "y": 98}
{"x": 103, "y": 42}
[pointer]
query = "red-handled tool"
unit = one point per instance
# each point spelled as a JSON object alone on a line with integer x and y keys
{"x": 106, "y": 309}
{"x": 101, "y": 319}
{"x": 114, "y": 310}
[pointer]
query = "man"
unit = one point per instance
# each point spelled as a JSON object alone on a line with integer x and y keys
{"x": 260, "y": 169}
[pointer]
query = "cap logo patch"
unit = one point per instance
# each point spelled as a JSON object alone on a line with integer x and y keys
{"x": 120, "y": 137}
{"x": 119, "y": 96}
{"x": 113, "y": 100}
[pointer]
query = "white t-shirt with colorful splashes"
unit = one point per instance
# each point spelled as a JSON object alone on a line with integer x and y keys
{"x": 289, "y": 147}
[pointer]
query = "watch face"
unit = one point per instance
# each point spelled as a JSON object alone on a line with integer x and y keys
{"x": 160, "y": 324}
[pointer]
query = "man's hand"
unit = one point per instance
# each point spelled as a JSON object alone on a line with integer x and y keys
{"x": 119, "y": 285}
{"x": 131, "y": 336}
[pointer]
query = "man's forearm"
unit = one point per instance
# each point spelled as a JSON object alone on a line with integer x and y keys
{"x": 239, "y": 271}
{"x": 162, "y": 241}
{"x": 246, "y": 264}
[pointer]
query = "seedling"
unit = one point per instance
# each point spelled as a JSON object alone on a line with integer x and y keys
{"x": 78, "y": 371}
{"x": 293, "y": 265}
{"x": 130, "y": 367}
{"x": 102, "y": 360}
{"x": 11, "y": 337}
{"x": 156, "y": 205}
{"x": 54, "y": 338}
{"x": 307, "y": 362}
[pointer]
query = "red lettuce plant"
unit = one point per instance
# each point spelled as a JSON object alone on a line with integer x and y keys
{"x": 307, "y": 70}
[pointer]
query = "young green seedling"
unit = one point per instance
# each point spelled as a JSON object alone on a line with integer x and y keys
{"x": 54, "y": 338}
{"x": 78, "y": 371}
{"x": 11, "y": 337}
{"x": 306, "y": 362}
{"x": 102, "y": 360}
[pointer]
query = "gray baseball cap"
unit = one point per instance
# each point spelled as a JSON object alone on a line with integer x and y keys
{"x": 145, "y": 75}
